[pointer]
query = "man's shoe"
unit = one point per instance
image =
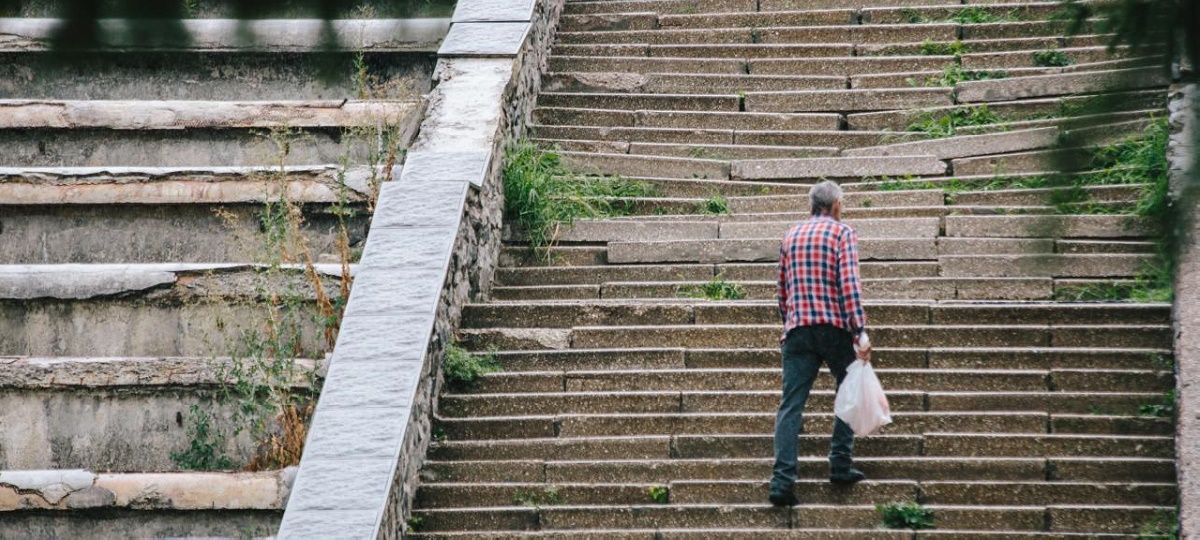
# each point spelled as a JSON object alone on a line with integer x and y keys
{"x": 783, "y": 498}
{"x": 847, "y": 475}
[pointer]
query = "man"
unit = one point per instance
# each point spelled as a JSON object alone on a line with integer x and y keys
{"x": 820, "y": 302}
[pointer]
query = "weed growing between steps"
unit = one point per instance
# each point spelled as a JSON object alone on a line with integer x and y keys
{"x": 954, "y": 73}
{"x": 946, "y": 124}
{"x": 203, "y": 453}
{"x": 968, "y": 15}
{"x": 462, "y": 368}
{"x": 933, "y": 48}
{"x": 1163, "y": 409}
{"x": 716, "y": 289}
{"x": 541, "y": 196}
{"x": 715, "y": 205}
{"x": 1163, "y": 526}
{"x": 536, "y": 499}
{"x": 659, "y": 494}
{"x": 905, "y": 515}
{"x": 1051, "y": 58}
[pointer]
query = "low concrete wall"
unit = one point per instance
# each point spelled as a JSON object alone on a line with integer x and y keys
{"x": 1180, "y": 155}
{"x": 433, "y": 247}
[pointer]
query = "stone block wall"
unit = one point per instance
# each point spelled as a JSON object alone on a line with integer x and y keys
{"x": 1180, "y": 157}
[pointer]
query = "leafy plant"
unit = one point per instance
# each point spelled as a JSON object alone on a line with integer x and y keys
{"x": 1164, "y": 525}
{"x": 946, "y": 124}
{"x": 953, "y": 74}
{"x": 537, "y": 499}
{"x": 716, "y": 205}
{"x": 718, "y": 288}
{"x": 659, "y": 494}
{"x": 462, "y": 369}
{"x": 414, "y": 524}
{"x": 1051, "y": 58}
{"x": 540, "y": 196}
{"x": 907, "y": 515}
{"x": 1163, "y": 409}
{"x": 203, "y": 452}
{"x": 933, "y": 48}
{"x": 978, "y": 15}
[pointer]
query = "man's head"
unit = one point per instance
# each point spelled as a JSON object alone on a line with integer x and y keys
{"x": 825, "y": 198}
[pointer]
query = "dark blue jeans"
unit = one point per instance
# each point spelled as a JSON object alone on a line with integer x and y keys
{"x": 804, "y": 349}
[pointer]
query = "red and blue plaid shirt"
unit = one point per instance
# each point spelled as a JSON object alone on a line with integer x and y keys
{"x": 818, "y": 276}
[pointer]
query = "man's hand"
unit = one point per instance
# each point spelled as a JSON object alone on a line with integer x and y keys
{"x": 862, "y": 347}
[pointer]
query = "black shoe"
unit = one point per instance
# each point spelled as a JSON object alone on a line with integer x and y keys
{"x": 783, "y": 498}
{"x": 846, "y": 475}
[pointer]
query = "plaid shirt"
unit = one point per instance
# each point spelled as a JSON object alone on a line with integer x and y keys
{"x": 818, "y": 276}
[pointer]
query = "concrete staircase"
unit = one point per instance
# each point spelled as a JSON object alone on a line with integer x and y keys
{"x": 141, "y": 198}
{"x": 628, "y": 409}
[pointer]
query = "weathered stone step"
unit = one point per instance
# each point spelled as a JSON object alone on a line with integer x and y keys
{"x": 728, "y": 335}
{"x": 881, "y": 289}
{"x": 78, "y": 503}
{"x": 1072, "y": 265}
{"x": 1017, "y": 59}
{"x": 1010, "y": 111}
{"x": 850, "y": 201}
{"x": 1028, "y": 358}
{"x": 880, "y": 468}
{"x": 144, "y": 215}
{"x": 215, "y": 9}
{"x": 1018, "y": 197}
{"x": 1062, "y": 226}
{"x": 998, "y": 9}
{"x": 742, "y": 121}
{"x": 593, "y": 425}
{"x": 682, "y": 228}
{"x": 846, "y": 66}
{"x": 1058, "y": 85}
{"x": 966, "y": 146}
{"x": 215, "y": 76}
{"x": 661, "y": 6}
{"x": 190, "y": 310}
{"x": 276, "y": 35}
{"x": 761, "y": 20}
{"x": 618, "y": 67}
{"x": 183, "y": 133}
{"x": 846, "y": 100}
{"x": 944, "y": 493}
{"x": 641, "y": 166}
{"x": 843, "y": 167}
{"x": 129, "y": 399}
{"x": 683, "y": 82}
{"x": 758, "y": 250}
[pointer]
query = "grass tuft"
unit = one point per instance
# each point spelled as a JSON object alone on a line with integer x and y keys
{"x": 717, "y": 204}
{"x": 540, "y": 195}
{"x": 953, "y": 74}
{"x": 938, "y": 124}
{"x": 1051, "y": 58}
{"x": 718, "y": 288}
{"x": 462, "y": 369}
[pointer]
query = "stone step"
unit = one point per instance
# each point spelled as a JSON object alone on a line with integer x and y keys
{"x": 752, "y": 336}
{"x": 1062, "y": 359}
{"x": 214, "y": 76}
{"x": 1007, "y": 10}
{"x": 130, "y": 399}
{"x": 566, "y": 314}
{"x": 683, "y": 82}
{"x": 919, "y": 469}
{"x": 144, "y": 215}
{"x": 661, "y": 6}
{"x": 1058, "y": 85}
{"x": 742, "y": 121}
{"x": 1090, "y": 226}
{"x": 967, "y": 146}
{"x": 636, "y": 166}
{"x": 79, "y": 503}
{"x": 682, "y": 228}
{"x": 596, "y": 425}
{"x": 227, "y": 34}
{"x": 1017, "y": 197}
{"x": 1018, "y": 59}
{"x": 844, "y": 167}
{"x": 757, "y": 50}
{"x": 1054, "y": 265}
{"x": 847, "y": 100}
{"x": 185, "y": 133}
{"x": 146, "y": 310}
{"x": 629, "y": 65}
{"x": 760, "y": 250}
{"x": 761, "y": 19}
{"x": 850, "y": 201}
{"x": 846, "y": 66}
{"x": 542, "y": 404}
{"x": 1011, "y": 111}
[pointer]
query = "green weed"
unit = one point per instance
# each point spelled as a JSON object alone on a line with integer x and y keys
{"x": 932, "y": 48}
{"x": 907, "y": 515}
{"x": 203, "y": 452}
{"x": 954, "y": 73}
{"x": 537, "y": 499}
{"x": 946, "y": 124}
{"x": 1164, "y": 525}
{"x": 540, "y": 196}
{"x": 1163, "y": 409}
{"x": 717, "y": 204}
{"x": 414, "y": 524}
{"x": 1051, "y": 58}
{"x": 718, "y": 288}
{"x": 462, "y": 369}
{"x": 978, "y": 15}
{"x": 659, "y": 494}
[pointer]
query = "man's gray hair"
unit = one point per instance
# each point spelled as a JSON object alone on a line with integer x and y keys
{"x": 822, "y": 196}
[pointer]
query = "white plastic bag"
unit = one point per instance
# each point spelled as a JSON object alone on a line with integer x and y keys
{"x": 860, "y": 401}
